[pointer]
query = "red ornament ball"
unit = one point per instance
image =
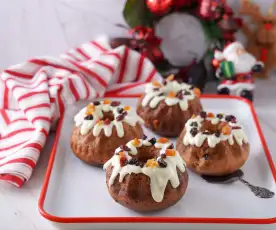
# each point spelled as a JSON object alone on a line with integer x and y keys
{"x": 159, "y": 7}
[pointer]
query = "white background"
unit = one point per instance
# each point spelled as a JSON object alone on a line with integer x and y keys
{"x": 31, "y": 28}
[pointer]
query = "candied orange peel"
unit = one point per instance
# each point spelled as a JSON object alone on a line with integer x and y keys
{"x": 136, "y": 141}
{"x": 121, "y": 154}
{"x": 171, "y": 94}
{"x": 170, "y": 77}
{"x": 193, "y": 116}
{"x": 106, "y": 102}
{"x": 156, "y": 84}
{"x": 127, "y": 108}
{"x": 90, "y": 109}
{"x": 100, "y": 122}
{"x": 155, "y": 124}
{"x": 197, "y": 92}
{"x": 226, "y": 130}
{"x": 163, "y": 140}
{"x": 170, "y": 152}
{"x": 152, "y": 163}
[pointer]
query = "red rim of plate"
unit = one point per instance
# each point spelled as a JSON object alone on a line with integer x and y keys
{"x": 201, "y": 220}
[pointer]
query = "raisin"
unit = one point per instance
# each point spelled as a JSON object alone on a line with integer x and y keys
{"x": 228, "y": 118}
{"x": 124, "y": 113}
{"x": 89, "y": 117}
{"x": 171, "y": 146}
{"x": 217, "y": 133}
{"x": 155, "y": 89}
{"x": 220, "y": 116}
{"x": 203, "y": 114}
{"x": 115, "y": 103}
{"x": 132, "y": 161}
{"x": 206, "y": 133}
{"x": 125, "y": 148}
{"x": 141, "y": 164}
{"x": 120, "y": 117}
{"x": 163, "y": 155}
{"x": 123, "y": 161}
{"x": 96, "y": 103}
{"x": 206, "y": 156}
{"x": 179, "y": 95}
{"x": 194, "y": 124}
{"x": 194, "y": 131}
{"x": 187, "y": 92}
{"x": 162, "y": 163}
{"x": 164, "y": 82}
{"x": 152, "y": 141}
{"x": 120, "y": 110}
{"x": 145, "y": 137}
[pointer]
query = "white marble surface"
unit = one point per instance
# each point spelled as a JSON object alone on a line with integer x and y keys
{"x": 48, "y": 27}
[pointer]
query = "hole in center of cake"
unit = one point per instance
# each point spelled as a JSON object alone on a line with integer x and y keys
{"x": 146, "y": 153}
{"x": 217, "y": 129}
{"x": 108, "y": 115}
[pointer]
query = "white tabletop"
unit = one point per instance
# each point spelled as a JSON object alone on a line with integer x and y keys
{"x": 48, "y": 27}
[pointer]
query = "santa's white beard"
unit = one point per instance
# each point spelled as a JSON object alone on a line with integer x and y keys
{"x": 244, "y": 63}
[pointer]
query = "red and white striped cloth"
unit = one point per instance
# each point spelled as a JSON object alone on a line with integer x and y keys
{"x": 34, "y": 94}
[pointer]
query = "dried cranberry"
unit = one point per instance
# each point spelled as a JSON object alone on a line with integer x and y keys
{"x": 162, "y": 163}
{"x": 96, "y": 103}
{"x": 170, "y": 146}
{"x": 229, "y": 118}
{"x": 203, "y": 114}
{"x": 123, "y": 161}
{"x": 120, "y": 117}
{"x": 115, "y": 103}
{"x": 194, "y": 124}
{"x": 125, "y": 148}
{"x": 89, "y": 117}
{"x": 234, "y": 120}
{"x": 124, "y": 113}
{"x": 152, "y": 141}
{"x": 145, "y": 137}
{"x": 194, "y": 131}
{"x": 106, "y": 121}
{"x": 120, "y": 110}
{"x": 187, "y": 92}
{"x": 220, "y": 116}
{"x": 217, "y": 133}
{"x": 132, "y": 161}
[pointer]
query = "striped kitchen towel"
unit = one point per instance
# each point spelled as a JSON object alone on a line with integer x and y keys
{"x": 34, "y": 94}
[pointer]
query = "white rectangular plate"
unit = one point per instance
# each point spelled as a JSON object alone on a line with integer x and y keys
{"x": 75, "y": 192}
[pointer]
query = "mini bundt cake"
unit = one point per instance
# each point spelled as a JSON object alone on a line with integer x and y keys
{"x": 213, "y": 145}
{"x": 166, "y": 107}
{"x": 101, "y": 127}
{"x": 146, "y": 175}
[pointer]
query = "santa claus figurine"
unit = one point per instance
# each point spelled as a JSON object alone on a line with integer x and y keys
{"x": 235, "y": 67}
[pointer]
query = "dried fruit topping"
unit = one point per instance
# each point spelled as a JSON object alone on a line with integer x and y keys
{"x": 100, "y": 122}
{"x": 163, "y": 155}
{"x": 179, "y": 95}
{"x": 106, "y": 121}
{"x": 89, "y": 117}
{"x": 155, "y": 123}
{"x": 170, "y": 152}
{"x": 115, "y": 103}
{"x": 161, "y": 94}
{"x": 122, "y": 154}
{"x": 90, "y": 109}
{"x": 164, "y": 82}
{"x": 161, "y": 162}
{"x": 194, "y": 124}
{"x": 152, "y": 141}
{"x": 197, "y": 92}
{"x": 203, "y": 114}
{"x": 156, "y": 84}
{"x": 132, "y": 161}
{"x": 120, "y": 117}
{"x": 236, "y": 127}
{"x": 230, "y": 118}
{"x": 171, "y": 146}
{"x": 125, "y": 148}
{"x": 217, "y": 133}
{"x": 194, "y": 131}
{"x": 123, "y": 161}
{"x": 170, "y": 78}
{"x": 127, "y": 108}
{"x": 187, "y": 92}
{"x": 220, "y": 116}
{"x": 206, "y": 132}
{"x": 171, "y": 94}
{"x": 120, "y": 110}
{"x": 206, "y": 156}
{"x": 211, "y": 115}
{"x": 145, "y": 137}
{"x": 136, "y": 141}
{"x": 151, "y": 163}
{"x": 155, "y": 89}
{"x": 96, "y": 103}
{"x": 193, "y": 116}
{"x": 163, "y": 140}
{"x": 226, "y": 130}
{"x": 234, "y": 120}
{"x": 124, "y": 113}
{"x": 106, "y": 102}
{"x": 141, "y": 164}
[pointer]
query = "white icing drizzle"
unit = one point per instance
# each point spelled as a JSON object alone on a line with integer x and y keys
{"x": 86, "y": 125}
{"x": 159, "y": 177}
{"x": 237, "y": 135}
{"x": 153, "y": 97}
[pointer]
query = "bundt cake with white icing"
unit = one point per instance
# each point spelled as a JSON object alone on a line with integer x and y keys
{"x": 101, "y": 127}
{"x": 166, "y": 106}
{"x": 146, "y": 175}
{"x": 214, "y": 145}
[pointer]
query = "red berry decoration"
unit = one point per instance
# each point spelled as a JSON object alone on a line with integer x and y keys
{"x": 159, "y": 7}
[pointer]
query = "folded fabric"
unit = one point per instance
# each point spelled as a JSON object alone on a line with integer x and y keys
{"x": 34, "y": 94}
